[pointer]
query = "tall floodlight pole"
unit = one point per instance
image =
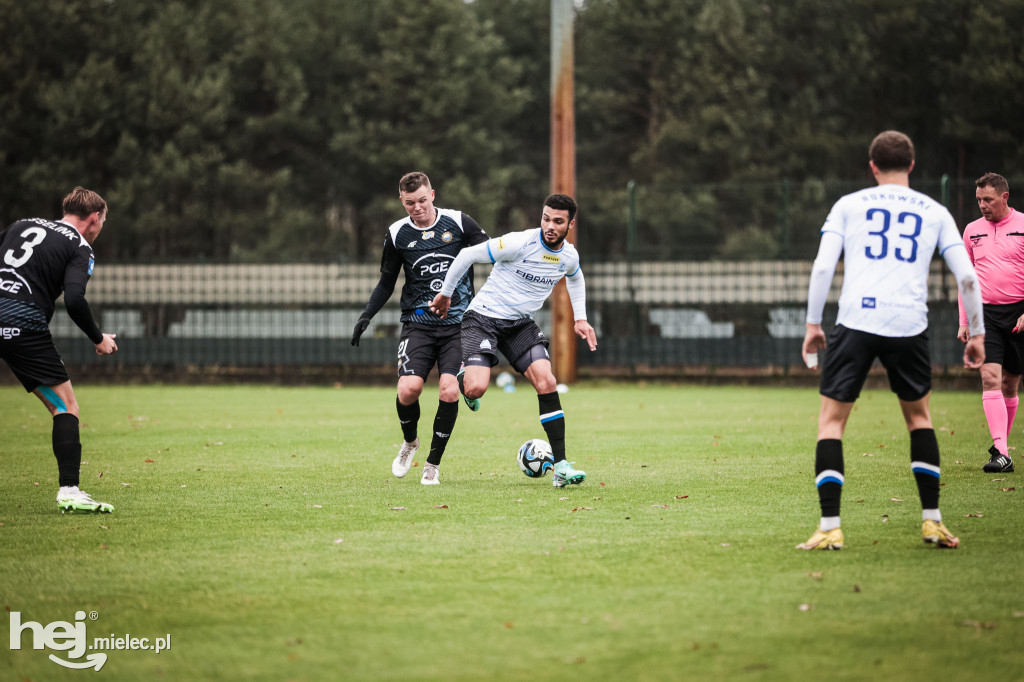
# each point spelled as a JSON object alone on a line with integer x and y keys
{"x": 563, "y": 176}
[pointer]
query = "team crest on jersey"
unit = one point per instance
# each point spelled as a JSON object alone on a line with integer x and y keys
{"x": 428, "y": 235}
{"x": 446, "y": 236}
{"x": 867, "y": 302}
{"x": 551, "y": 259}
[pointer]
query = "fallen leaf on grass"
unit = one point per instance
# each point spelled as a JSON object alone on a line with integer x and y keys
{"x": 726, "y": 544}
{"x": 817, "y": 575}
{"x": 339, "y": 541}
{"x": 681, "y": 497}
{"x": 440, "y": 506}
{"x": 397, "y": 508}
{"x": 867, "y": 454}
{"x": 663, "y": 506}
{"x": 856, "y": 588}
{"x": 100, "y": 474}
{"x": 105, "y": 527}
{"x": 150, "y": 461}
{"x": 127, "y": 485}
{"x": 981, "y": 625}
{"x": 580, "y": 509}
{"x": 895, "y": 499}
{"x": 805, "y": 607}
{"x": 509, "y": 625}
{"x": 563, "y": 498}
{"x": 318, "y": 506}
{"x": 1008, "y": 490}
{"x": 1016, "y": 614}
{"x": 998, "y": 479}
{"x": 976, "y": 515}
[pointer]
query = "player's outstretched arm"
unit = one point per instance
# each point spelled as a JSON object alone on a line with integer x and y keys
{"x": 107, "y": 346}
{"x": 587, "y": 333}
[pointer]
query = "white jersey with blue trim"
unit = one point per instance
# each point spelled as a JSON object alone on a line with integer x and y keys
{"x": 890, "y": 234}
{"x": 525, "y": 272}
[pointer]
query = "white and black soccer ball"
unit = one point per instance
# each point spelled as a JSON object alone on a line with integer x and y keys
{"x": 535, "y": 458}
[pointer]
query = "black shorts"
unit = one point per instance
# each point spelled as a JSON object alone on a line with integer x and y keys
{"x": 850, "y": 354}
{"x": 1001, "y": 345}
{"x": 32, "y": 357}
{"x": 483, "y": 337}
{"x": 422, "y": 346}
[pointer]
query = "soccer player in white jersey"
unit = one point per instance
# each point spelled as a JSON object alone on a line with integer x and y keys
{"x": 527, "y": 266}
{"x": 888, "y": 234}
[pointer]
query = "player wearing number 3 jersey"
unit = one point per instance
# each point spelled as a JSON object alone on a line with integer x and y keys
{"x": 39, "y": 260}
{"x": 888, "y": 234}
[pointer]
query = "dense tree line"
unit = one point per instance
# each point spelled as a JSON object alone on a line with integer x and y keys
{"x": 276, "y": 130}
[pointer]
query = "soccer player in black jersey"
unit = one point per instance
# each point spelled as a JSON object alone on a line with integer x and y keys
{"x": 39, "y": 259}
{"x": 424, "y": 246}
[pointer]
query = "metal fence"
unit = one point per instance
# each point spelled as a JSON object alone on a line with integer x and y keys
{"x": 647, "y": 315}
{"x": 707, "y": 276}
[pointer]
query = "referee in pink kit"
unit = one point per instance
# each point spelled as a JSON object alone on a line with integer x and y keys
{"x": 995, "y": 243}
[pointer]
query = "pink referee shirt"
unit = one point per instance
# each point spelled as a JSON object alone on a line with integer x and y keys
{"x": 997, "y": 251}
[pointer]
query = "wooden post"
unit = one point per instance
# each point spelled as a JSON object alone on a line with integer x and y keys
{"x": 563, "y": 176}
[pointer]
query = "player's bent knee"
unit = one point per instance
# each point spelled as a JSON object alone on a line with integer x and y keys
{"x": 475, "y": 390}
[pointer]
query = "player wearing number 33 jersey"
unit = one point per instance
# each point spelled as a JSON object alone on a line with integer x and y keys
{"x": 888, "y": 234}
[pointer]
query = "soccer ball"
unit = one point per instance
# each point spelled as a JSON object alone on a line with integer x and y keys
{"x": 535, "y": 458}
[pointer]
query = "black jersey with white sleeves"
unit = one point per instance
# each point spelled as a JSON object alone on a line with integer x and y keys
{"x": 425, "y": 253}
{"x": 39, "y": 260}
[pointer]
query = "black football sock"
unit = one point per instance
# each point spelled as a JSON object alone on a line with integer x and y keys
{"x": 444, "y": 423}
{"x": 828, "y": 475}
{"x": 553, "y": 420}
{"x": 924, "y": 461}
{"x": 408, "y": 417}
{"x": 67, "y": 448}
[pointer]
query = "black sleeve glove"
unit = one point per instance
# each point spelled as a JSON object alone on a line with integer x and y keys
{"x": 360, "y": 327}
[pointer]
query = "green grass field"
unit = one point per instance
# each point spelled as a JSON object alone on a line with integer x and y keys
{"x": 261, "y": 528}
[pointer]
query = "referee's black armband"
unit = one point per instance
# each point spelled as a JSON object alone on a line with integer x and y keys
{"x": 79, "y": 312}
